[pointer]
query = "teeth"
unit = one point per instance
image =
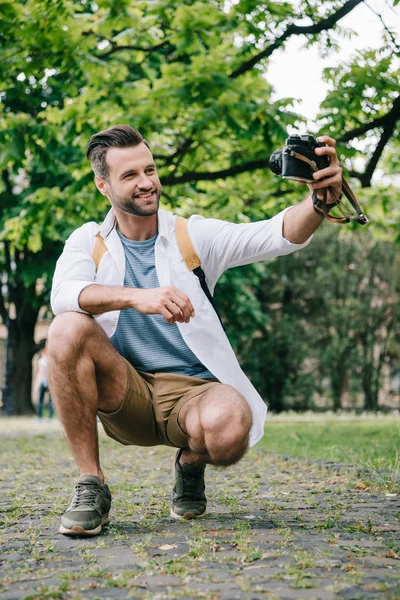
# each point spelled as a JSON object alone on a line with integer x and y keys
{"x": 144, "y": 195}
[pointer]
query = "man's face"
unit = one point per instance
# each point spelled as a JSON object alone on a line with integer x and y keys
{"x": 133, "y": 186}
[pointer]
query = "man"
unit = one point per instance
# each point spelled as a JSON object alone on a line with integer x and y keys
{"x": 137, "y": 343}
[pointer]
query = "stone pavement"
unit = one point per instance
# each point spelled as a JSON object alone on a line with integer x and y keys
{"x": 276, "y": 528}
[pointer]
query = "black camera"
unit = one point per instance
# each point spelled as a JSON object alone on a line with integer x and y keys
{"x": 284, "y": 162}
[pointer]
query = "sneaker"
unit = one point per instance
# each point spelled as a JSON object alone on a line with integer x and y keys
{"x": 188, "y": 498}
{"x": 89, "y": 508}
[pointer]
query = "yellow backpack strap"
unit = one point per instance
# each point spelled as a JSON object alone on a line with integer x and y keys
{"x": 186, "y": 247}
{"x": 99, "y": 249}
{"x": 191, "y": 259}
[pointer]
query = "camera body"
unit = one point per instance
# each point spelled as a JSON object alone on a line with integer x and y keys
{"x": 282, "y": 162}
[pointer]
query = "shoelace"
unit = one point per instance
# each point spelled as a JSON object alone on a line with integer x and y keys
{"x": 84, "y": 494}
{"x": 192, "y": 486}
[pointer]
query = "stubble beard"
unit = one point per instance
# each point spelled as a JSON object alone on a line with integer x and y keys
{"x": 131, "y": 205}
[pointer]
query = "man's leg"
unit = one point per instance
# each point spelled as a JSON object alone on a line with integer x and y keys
{"x": 85, "y": 373}
{"x": 217, "y": 423}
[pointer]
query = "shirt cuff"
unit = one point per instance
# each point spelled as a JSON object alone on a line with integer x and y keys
{"x": 70, "y": 293}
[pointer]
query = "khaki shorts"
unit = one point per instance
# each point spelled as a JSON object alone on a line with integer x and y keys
{"x": 148, "y": 415}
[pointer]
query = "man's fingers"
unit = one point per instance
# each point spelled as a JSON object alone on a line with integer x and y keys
{"x": 186, "y": 303}
{"x": 330, "y": 171}
{"x": 175, "y": 311}
{"x": 183, "y": 308}
{"x": 177, "y": 304}
{"x": 326, "y": 140}
{"x": 168, "y": 317}
{"x": 328, "y": 151}
{"x": 331, "y": 181}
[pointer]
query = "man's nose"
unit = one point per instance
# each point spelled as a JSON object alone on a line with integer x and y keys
{"x": 144, "y": 182}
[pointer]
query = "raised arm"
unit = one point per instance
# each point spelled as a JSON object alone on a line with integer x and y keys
{"x": 301, "y": 221}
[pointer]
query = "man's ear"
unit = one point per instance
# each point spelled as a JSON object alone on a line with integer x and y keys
{"x": 101, "y": 185}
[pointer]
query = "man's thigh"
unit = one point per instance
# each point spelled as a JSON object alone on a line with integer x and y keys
{"x": 133, "y": 423}
{"x": 81, "y": 355}
{"x": 148, "y": 415}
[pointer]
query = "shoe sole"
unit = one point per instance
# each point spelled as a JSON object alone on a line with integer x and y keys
{"x": 187, "y": 515}
{"x": 79, "y": 530}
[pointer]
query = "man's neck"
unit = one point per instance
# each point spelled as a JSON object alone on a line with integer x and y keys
{"x": 137, "y": 228}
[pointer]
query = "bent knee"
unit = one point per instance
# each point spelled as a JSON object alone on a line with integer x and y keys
{"x": 228, "y": 412}
{"x": 229, "y": 448}
{"x": 68, "y": 329}
{"x": 226, "y": 427}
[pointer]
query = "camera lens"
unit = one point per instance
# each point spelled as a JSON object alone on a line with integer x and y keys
{"x": 275, "y": 162}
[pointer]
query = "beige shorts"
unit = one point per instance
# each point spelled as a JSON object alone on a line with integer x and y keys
{"x": 148, "y": 415}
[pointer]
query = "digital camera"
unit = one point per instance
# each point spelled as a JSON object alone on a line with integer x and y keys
{"x": 284, "y": 163}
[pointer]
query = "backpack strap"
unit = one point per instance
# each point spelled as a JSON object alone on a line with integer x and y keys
{"x": 99, "y": 250}
{"x": 191, "y": 259}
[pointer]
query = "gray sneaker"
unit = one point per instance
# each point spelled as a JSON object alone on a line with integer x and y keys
{"x": 188, "y": 498}
{"x": 89, "y": 508}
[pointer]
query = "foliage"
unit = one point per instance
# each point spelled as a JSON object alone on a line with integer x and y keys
{"x": 311, "y": 321}
{"x": 189, "y": 75}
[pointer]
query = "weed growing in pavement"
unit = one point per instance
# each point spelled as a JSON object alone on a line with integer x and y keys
{"x": 360, "y": 526}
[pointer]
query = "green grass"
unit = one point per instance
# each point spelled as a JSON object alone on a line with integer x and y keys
{"x": 374, "y": 444}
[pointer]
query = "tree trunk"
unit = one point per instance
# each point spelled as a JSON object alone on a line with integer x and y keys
{"x": 338, "y": 381}
{"x": 370, "y": 391}
{"x": 19, "y": 359}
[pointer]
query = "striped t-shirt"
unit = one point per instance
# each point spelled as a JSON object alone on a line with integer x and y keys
{"x": 147, "y": 341}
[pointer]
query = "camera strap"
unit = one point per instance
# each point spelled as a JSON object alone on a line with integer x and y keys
{"x": 322, "y": 207}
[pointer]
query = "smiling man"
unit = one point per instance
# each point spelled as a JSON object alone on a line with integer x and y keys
{"x": 137, "y": 343}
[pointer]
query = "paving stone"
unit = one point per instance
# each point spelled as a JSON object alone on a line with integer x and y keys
{"x": 308, "y": 594}
{"x": 357, "y": 593}
{"x": 261, "y": 536}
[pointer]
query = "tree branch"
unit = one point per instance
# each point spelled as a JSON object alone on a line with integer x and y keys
{"x": 322, "y": 25}
{"x": 252, "y": 165}
{"x": 391, "y": 117}
{"x": 389, "y": 123}
{"x": 386, "y": 28}
{"x": 371, "y": 166}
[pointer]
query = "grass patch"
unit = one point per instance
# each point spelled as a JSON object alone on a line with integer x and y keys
{"x": 374, "y": 444}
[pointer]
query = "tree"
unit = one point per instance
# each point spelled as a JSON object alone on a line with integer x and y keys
{"x": 188, "y": 74}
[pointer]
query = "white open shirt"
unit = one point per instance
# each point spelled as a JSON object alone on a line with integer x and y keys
{"x": 220, "y": 246}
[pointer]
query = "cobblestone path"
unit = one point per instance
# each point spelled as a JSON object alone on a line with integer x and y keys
{"x": 276, "y": 528}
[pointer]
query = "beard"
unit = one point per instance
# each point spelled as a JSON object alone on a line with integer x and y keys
{"x": 136, "y": 206}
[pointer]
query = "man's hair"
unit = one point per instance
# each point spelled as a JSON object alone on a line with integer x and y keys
{"x": 118, "y": 136}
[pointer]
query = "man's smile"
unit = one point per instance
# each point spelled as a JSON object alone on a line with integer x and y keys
{"x": 145, "y": 194}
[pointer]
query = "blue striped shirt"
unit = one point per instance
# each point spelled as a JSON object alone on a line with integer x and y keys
{"x": 147, "y": 341}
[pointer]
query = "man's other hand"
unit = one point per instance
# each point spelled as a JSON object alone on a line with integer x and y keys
{"x": 167, "y": 301}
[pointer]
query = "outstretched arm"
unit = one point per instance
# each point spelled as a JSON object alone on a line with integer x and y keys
{"x": 301, "y": 220}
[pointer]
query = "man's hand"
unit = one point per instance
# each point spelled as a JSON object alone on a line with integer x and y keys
{"x": 333, "y": 173}
{"x": 301, "y": 220}
{"x": 167, "y": 301}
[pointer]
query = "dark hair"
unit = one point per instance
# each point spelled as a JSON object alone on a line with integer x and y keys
{"x": 118, "y": 136}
